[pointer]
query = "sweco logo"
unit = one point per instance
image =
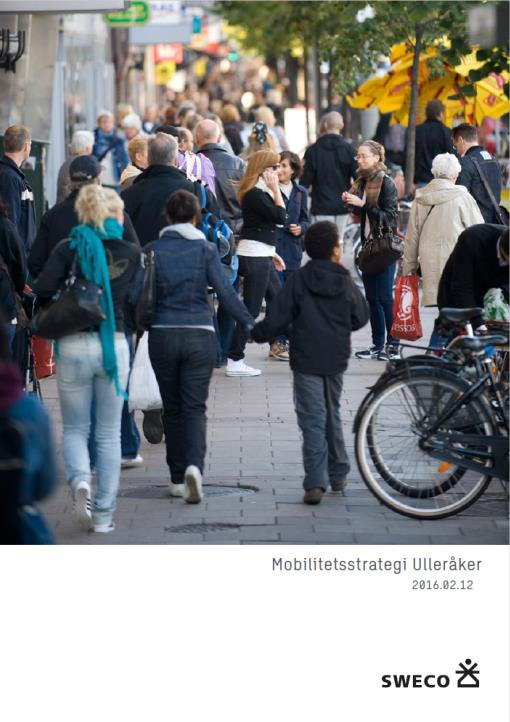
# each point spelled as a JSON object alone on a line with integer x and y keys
{"x": 468, "y": 678}
{"x": 405, "y": 307}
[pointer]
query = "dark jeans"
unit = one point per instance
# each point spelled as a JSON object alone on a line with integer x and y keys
{"x": 225, "y": 325}
{"x": 259, "y": 281}
{"x": 183, "y": 361}
{"x": 317, "y": 404}
{"x": 283, "y": 276}
{"x": 379, "y": 295}
{"x": 10, "y": 330}
{"x": 129, "y": 434}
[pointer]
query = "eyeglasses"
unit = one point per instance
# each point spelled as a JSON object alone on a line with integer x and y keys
{"x": 362, "y": 157}
{"x": 275, "y": 167}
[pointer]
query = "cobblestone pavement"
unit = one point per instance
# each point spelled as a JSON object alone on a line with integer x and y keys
{"x": 254, "y": 444}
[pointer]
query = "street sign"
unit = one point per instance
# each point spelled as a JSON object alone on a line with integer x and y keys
{"x": 169, "y": 51}
{"x": 138, "y": 13}
{"x": 164, "y": 72}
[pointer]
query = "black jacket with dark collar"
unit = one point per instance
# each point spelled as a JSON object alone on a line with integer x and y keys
{"x": 56, "y": 224}
{"x": 146, "y": 199}
{"x": 229, "y": 170}
{"x": 470, "y": 177}
{"x": 17, "y": 193}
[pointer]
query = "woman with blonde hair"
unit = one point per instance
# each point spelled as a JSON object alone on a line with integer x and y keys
{"x": 263, "y": 209}
{"x": 373, "y": 197}
{"x": 93, "y": 364}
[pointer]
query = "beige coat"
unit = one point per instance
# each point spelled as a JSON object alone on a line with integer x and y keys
{"x": 439, "y": 214}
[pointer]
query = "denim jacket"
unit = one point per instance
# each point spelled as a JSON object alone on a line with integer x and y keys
{"x": 186, "y": 264}
{"x": 290, "y": 247}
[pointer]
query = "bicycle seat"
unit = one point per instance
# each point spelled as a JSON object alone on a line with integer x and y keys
{"x": 477, "y": 343}
{"x": 457, "y": 315}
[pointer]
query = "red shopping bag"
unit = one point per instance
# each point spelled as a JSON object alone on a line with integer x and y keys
{"x": 406, "y": 313}
{"x": 44, "y": 357}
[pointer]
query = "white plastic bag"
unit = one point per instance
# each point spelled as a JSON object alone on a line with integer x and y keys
{"x": 143, "y": 386}
{"x": 495, "y": 306}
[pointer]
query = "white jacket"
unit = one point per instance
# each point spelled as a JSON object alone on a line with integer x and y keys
{"x": 439, "y": 214}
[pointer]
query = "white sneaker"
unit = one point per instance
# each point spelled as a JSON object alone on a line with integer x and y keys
{"x": 176, "y": 489}
{"x": 132, "y": 463}
{"x": 239, "y": 368}
{"x": 105, "y": 528}
{"x": 82, "y": 505}
{"x": 193, "y": 485}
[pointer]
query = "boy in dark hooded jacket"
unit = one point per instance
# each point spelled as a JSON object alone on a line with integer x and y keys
{"x": 319, "y": 306}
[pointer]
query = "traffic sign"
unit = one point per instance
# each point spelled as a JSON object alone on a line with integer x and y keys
{"x": 164, "y": 72}
{"x": 138, "y": 13}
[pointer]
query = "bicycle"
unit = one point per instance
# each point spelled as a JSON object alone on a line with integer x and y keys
{"x": 429, "y": 409}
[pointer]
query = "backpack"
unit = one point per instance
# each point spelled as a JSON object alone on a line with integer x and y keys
{"x": 20, "y": 522}
{"x": 218, "y": 232}
{"x": 11, "y": 474}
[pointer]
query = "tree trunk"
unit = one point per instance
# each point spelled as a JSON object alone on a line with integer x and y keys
{"x": 413, "y": 109}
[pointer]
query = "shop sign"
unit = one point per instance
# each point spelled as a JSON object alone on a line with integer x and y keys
{"x": 164, "y": 72}
{"x": 138, "y": 13}
{"x": 169, "y": 51}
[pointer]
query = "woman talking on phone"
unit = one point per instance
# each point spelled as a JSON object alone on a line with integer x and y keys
{"x": 263, "y": 209}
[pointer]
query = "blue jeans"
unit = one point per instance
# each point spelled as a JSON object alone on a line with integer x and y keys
{"x": 283, "y": 276}
{"x": 317, "y": 404}
{"x": 10, "y": 329}
{"x": 81, "y": 379}
{"x": 379, "y": 295}
{"x": 129, "y": 434}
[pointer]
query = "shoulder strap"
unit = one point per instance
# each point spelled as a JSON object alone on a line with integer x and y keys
{"x": 426, "y": 218}
{"x": 489, "y": 191}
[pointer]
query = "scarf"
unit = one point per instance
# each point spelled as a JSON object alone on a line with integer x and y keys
{"x": 87, "y": 241}
{"x": 262, "y": 185}
{"x": 370, "y": 182}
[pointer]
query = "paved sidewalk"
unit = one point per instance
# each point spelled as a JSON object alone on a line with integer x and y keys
{"x": 253, "y": 478}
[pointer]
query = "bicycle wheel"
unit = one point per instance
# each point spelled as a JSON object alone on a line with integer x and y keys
{"x": 392, "y": 462}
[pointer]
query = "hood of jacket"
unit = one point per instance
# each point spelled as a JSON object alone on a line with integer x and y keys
{"x": 330, "y": 141}
{"x": 325, "y": 278}
{"x": 438, "y": 191}
{"x": 130, "y": 171}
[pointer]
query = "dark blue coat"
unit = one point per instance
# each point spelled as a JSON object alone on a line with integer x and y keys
{"x": 17, "y": 193}
{"x": 290, "y": 247}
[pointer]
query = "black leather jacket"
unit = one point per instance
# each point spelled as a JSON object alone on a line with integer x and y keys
{"x": 386, "y": 210}
{"x": 470, "y": 178}
{"x": 229, "y": 170}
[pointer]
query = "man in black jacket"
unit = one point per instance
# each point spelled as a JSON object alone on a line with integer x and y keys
{"x": 146, "y": 199}
{"x": 329, "y": 167}
{"x": 478, "y": 262}
{"x": 14, "y": 189}
{"x": 432, "y": 138}
{"x": 229, "y": 170}
{"x": 319, "y": 306}
{"x": 57, "y": 223}
{"x": 465, "y": 140}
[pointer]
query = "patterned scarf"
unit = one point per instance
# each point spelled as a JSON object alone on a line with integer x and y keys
{"x": 87, "y": 240}
{"x": 371, "y": 183}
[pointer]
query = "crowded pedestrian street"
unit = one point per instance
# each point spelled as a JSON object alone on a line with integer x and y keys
{"x": 253, "y": 474}
{"x": 251, "y": 292}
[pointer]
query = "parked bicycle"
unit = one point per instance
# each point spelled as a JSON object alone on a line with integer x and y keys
{"x": 433, "y": 431}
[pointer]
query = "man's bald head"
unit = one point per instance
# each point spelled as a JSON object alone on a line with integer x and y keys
{"x": 207, "y": 131}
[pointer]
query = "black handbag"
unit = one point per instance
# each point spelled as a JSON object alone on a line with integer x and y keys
{"x": 146, "y": 305}
{"x": 76, "y": 307}
{"x": 382, "y": 248}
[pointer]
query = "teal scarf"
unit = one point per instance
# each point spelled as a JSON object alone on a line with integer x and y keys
{"x": 87, "y": 240}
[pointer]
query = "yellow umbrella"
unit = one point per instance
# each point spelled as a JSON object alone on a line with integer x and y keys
{"x": 391, "y": 93}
